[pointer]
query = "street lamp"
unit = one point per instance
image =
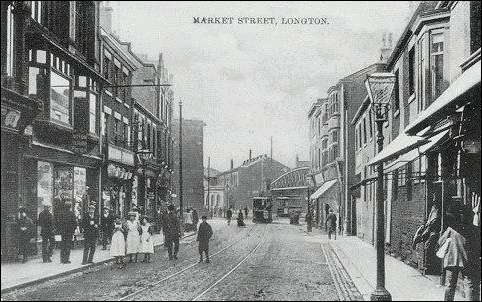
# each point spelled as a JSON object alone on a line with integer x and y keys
{"x": 144, "y": 155}
{"x": 380, "y": 87}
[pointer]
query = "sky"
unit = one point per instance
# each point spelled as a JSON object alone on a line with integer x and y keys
{"x": 249, "y": 82}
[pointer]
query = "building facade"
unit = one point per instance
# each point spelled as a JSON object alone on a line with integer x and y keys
{"x": 192, "y": 163}
{"x": 433, "y": 130}
{"x": 250, "y": 179}
{"x": 332, "y": 147}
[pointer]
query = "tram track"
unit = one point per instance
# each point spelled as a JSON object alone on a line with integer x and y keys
{"x": 173, "y": 275}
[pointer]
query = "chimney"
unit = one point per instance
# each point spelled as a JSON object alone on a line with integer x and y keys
{"x": 250, "y": 154}
{"x": 232, "y": 164}
{"x": 387, "y": 47}
{"x": 106, "y": 16}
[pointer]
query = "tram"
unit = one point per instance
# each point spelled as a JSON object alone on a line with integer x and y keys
{"x": 262, "y": 210}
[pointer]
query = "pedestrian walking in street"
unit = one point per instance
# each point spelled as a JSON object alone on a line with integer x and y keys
{"x": 173, "y": 233}
{"x": 331, "y": 224}
{"x": 90, "y": 228}
{"x": 205, "y": 233}
{"x": 147, "y": 243}
{"x": 229, "y": 215}
{"x": 133, "y": 236}
{"x": 460, "y": 253}
{"x": 107, "y": 226}
{"x": 195, "y": 219}
{"x": 25, "y": 232}
{"x": 240, "y": 219}
{"x": 68, "y": 224}
{"x": 46, "y": 223}
{"x": 118, "y": 244}
{"x": 246, "y": 212}
{"x": 308, "y": 219}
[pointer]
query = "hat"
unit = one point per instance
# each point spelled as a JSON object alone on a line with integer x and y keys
{"x": 132, "y": 213}
{"x": 22, "y": 210}
{"x": 204, "y": 217}
{"x": 91, "y": 206}
{"x": 170, "y": 207}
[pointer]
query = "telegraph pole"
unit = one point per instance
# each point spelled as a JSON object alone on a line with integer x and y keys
{"x": 181, "y": 214}
{"x": 209, "y": 168}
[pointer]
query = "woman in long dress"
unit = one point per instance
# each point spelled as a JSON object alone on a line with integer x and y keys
{"x": 133, "y": 237}
{"x": 147, "y": 244}
{"x": 118, "y": 244}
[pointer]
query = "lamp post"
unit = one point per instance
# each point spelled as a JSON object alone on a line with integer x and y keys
{"x": 380, "y": 87}
{"x": 181, "y": 214}
{"x": 144, "y": 155}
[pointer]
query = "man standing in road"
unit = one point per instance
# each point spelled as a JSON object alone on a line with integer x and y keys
{"x": 331, "y": 223}
{"x": 205, "y": 233}
{"x": 91, "y": 232}
{"x": 68, "y": 223}
{"x": 46, "y": 223}
{"x": 195, "y": 219}
{"x": 309, "y": 219}
{"x": 173, "y": 232}
{"x": 246, "y": 212}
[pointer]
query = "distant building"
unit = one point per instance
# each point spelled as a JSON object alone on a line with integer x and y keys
{"x": 192, "y": 163}
{"x": 250, "y": 179}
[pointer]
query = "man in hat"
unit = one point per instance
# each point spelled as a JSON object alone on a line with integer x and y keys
{"x": 90, "y": 228}
{"x": 25, "y": 231}
{"x": 67, "y": 223}
{"x": 173, "y": 232}
{"x": 46, "y": 223}
{"x": 107, "y": 226}
{"x": 205, "y": 233}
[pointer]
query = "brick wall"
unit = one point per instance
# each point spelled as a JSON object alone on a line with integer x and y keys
{"x": 407, "y": 216}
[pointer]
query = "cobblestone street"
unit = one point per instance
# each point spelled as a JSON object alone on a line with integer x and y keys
{"x": 259, "y": 262}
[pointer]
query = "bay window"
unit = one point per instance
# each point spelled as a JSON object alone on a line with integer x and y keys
{"x": 436, "y": 64}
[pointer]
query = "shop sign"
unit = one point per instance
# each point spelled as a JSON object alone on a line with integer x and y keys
{"x": 10, "y": 118}
{"x": 80, "y": 142}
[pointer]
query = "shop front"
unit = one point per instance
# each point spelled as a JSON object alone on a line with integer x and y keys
{"x": 118, "y": 181}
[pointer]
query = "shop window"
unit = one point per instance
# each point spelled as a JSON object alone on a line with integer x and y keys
{"x": 80, "y": 191}
{"x": 60, "y": 98}
{"x": 402, "y": 177}
{"x": 395, "y": 184}
{"x": 408, "y": 180}
{"x": 44, "y": 185}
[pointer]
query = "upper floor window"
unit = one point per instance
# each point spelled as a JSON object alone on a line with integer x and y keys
{"x": 396, "y": 93}
{"x": 92, "y": 112}
{"x": 36, "y": 12}
{"x": 10, "y": 40}
{"x": 364, "y": 131}
{"x": 356, "y": 138}
{"x": 437, "y": 64}
{"x": 60, "y": 98}
{"x": 411, "y": 71}
{"x": 334, "y": 136}
{"x": 370, "y": 124}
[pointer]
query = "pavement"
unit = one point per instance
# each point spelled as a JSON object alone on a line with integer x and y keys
{"x": 404, "y": 282}
{"x": 16, "y": 275}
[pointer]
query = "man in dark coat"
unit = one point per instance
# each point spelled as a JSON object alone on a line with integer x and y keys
{"x": 246, "y": 212}
{"x": 331, "y": 223}
{"x": 173, "y": 232}
{"x": 46, "y": 223}
{"x": 107, "y": 226}
{"x": 195, "y": 219}
{"x": 25, "y": 232}
{"x": 67, "y": 223}
{"x": 204, "y": 234}
{"x": 229, "y": 215}
{"x": 240, "y": 219}
{"x": 90, "y": 228}
{"x": 309, "y": 220}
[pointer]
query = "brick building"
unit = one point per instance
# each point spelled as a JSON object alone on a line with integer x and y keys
{"x": 192, "y": 163}
{"x": 250, "y": 179}
{"x": 432, "y": 131}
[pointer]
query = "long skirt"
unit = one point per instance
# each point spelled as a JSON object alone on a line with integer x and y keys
{"x": 118, "y": 245}
{"x": 132, "y": 242}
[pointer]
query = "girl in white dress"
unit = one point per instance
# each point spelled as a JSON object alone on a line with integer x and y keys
{"x": 118, "y": 244}
{"x": 133, "y": 237}
{"x": 147, "y": 244}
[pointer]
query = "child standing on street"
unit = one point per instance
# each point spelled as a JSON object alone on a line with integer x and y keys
{"x": 147, "y": 244}
{"x": 204, "y": 234}
{"x": 118, "y": 244}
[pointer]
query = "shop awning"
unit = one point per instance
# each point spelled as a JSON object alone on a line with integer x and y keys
{"x": 445, "y": 103}
{"x": 324, "y": 187}
{"x": 410, "y": 156}
{"x": 400, "y": 145}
